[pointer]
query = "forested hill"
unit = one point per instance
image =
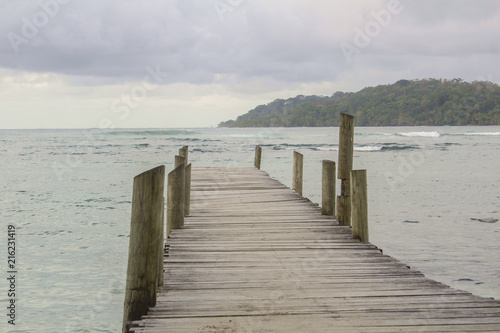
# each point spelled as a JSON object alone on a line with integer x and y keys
{"x": 406, "y": 102}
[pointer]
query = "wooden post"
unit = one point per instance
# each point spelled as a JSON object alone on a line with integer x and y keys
{"x": 184, "y": 152}
{"x": 162, "y": 250}
{"x": 144, "y": 244}
{"x": 298, "y": 172}
{"x": 346, "y": 150}
{"x": 258, "y": 156}
{"x": 179, "y": 160}
{"x": 359, "y": 205}
{"x": 187, "y": 190}
{"x": 175, "y": 198}
{"x": 328, "y": 188}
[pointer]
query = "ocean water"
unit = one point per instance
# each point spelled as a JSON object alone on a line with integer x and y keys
{"x": 433, "y": 199}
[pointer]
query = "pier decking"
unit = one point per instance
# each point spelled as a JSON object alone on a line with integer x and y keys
{"x": 255, "y": 257}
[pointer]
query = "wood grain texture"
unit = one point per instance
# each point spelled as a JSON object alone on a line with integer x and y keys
{"x": 258, "y": 157}
{"x": 145, "y": 244}
{"x": 176, "y": 196}
{"x": 359, "y": 205}
{"x": 298, "y": 172}
{"x": 255, "y": 257}
{"x": 328, "y": 188}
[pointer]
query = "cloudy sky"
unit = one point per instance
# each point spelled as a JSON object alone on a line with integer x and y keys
{"x": 194, "y": 63}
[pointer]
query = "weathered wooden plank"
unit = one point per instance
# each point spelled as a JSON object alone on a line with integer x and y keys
{"x": 255, "y": 257}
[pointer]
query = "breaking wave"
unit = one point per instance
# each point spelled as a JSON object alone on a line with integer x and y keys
{"x": 420, "y": 134}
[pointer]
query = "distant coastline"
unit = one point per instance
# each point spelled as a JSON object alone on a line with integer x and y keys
{"x": 427, "y": 102}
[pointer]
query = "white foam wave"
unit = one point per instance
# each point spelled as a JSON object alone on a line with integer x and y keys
{"x": 368, "y": 148}
{"x": 485, "y": 133}
{"x": 328, "y": 148}
{"x": 421, "y": 134}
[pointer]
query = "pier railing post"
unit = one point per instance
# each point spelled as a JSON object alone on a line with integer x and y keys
{"x": 145, "y": 243}
{"x": 328, "y": 188}
{"x": 184, "y": 151}
{"x": 258, "y": 156}
{"x": 162, "y": 250}
{"x": 187, "y": 190}
{"x": 176, "y": 197}
{"x": 346, "y": 150}
{"x": 359, "y": 205}
{"x": 298, "y": 172}
{"x": 179, "y": 160}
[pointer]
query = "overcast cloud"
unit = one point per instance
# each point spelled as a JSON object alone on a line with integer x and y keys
{"x": 130, "y": 63}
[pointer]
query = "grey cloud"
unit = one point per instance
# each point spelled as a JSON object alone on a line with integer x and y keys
{"x": 288, "y": 41}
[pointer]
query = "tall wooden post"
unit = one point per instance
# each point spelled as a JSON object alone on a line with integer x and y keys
{"x": 187, "y": 190}
{"x": 328, "y": 188}
{"x": 175, "y": 198}
{"x": 179, "y": 160}
{"x": 359, "y": 205}
{"x": 144, "y": 245}
{"x": 182, "y": 159}
{"x": 258, "y": 156}
{"x": 298, "y": 172}
{"x": 162, "y": 250}
{"x": 184, "y": 151}
{"x": 346, "y": 150}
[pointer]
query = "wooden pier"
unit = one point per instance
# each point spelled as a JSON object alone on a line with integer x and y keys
{"x": 253, "y": 256}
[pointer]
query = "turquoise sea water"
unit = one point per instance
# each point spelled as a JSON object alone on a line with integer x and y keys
{"x": 432, "y": 192}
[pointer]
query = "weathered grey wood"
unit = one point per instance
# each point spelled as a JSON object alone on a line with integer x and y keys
{"x": 346, "y": 151}
{"x": 175, "y": 198}
{"x": 187, "y": 190}
{"x": 328, "y": 188}
{"x": 255, "y": 257}
{"x": 346, "y": 145}
{"x": 344, "y": 209}
{"x": 258, "y": 156}
{"x": 162, "y": 244}
{"x": 179, "y": 160}
{"x": 145, "y": 244}
{"x": 182, "y": 158}
{"x": 298, "y": 172}
{"x": 184, "y": 151}
{"x": 359, "y": 205}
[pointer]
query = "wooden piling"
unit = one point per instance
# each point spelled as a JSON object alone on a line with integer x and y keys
{"x": 187, "y": 190}
{"x": 145, "y": 243}
{"x": 258, "y": 156}
{"x": 184, "y": 151}
{"x": 298, "y": 172}
{"x": 179, "y": 160}
{"x": 359, "y": 205}
{"x": 176, "y": 197}
{"x": 328, "y": 188}
{"x": 162, "y": 250}
{"x": 346, "y": 150}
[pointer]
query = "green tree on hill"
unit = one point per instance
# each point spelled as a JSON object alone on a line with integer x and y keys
{"x": 404, "y": 103}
